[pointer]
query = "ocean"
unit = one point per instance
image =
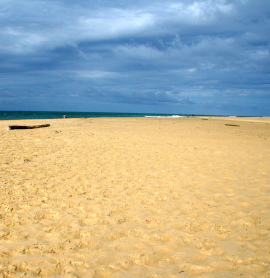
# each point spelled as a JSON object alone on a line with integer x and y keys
{"x": 22, "y": 115}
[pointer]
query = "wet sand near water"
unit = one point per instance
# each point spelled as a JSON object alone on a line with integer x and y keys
{"x": 135, "y": 197}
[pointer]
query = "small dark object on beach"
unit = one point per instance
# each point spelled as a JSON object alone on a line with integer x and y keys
{"x": 26, "y": 126}
{"x": 231, "y": 125}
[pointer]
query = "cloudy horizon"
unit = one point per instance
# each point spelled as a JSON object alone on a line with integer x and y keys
{"x": 183, "y": 57}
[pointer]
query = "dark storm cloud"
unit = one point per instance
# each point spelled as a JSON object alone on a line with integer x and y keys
{"x": 199, "y": 55}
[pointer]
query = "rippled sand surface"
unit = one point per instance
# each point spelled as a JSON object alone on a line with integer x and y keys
{"x": 135, "y": 197}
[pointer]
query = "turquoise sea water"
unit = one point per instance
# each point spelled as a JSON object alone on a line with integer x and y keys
{"x": 17, "y": 115}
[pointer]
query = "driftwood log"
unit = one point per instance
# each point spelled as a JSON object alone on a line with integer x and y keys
{"x": 231, "y": 125}
{"x": 26, "y": 126}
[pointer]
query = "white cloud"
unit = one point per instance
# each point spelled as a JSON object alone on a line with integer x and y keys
{"x": 46, "y": 24}
{"x": 114, "y": 23}
{"x": 93, "y": 74}
{"x": 143, "y": 52}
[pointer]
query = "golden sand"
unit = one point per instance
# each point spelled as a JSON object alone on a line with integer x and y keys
{"x": 135, "y": 197}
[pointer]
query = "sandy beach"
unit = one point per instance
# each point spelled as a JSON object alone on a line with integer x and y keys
{"x": 135, "y": 197}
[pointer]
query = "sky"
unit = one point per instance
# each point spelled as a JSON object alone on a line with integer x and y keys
{"x": 206, "y": 57}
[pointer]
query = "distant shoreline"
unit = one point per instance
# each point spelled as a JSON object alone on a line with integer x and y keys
{"x": 27, "y": 115}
